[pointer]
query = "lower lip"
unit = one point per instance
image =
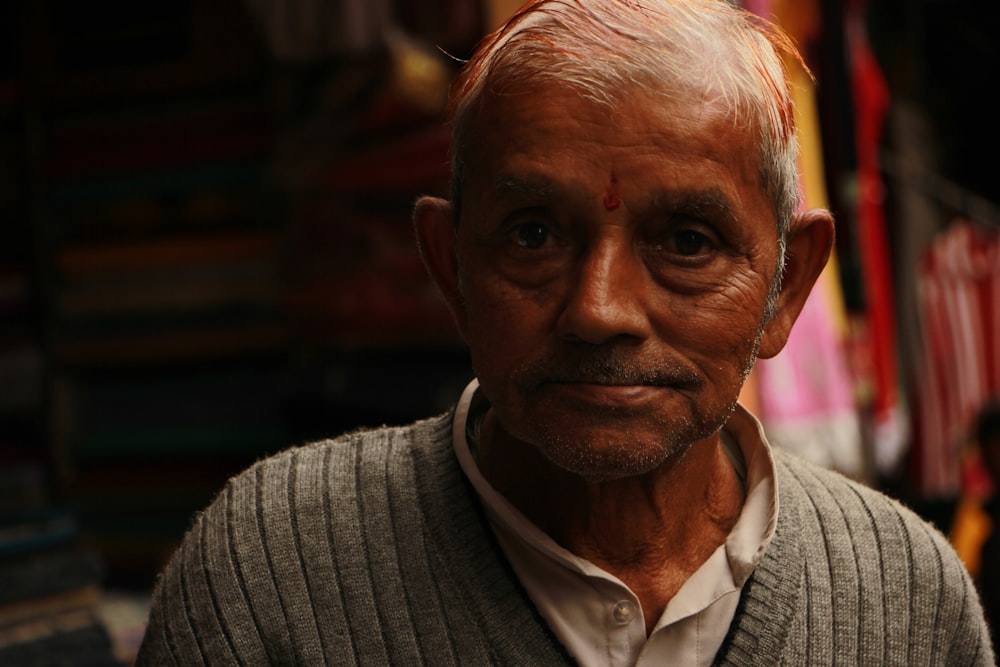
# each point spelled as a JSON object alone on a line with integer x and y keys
{"x": 604, "y": 394}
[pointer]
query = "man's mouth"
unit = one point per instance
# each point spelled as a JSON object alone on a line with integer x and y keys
{"x": 623, "y": 395}
{"x": 606, "y": 376}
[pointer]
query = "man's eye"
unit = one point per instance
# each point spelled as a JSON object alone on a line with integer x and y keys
{"x": 531, "y": 235}
{"x": 690, "y": 243}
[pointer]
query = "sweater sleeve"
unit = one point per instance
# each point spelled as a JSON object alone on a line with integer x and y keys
{"x": 881, "y": 585}
{"x": 199, "y": 615}
{"x": 946, "y": 617}
{"x": 238, "y": 590}
{"x": 966, "y": 634}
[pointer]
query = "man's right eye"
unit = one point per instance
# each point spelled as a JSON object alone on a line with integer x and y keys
{"x": 530, "y": 235}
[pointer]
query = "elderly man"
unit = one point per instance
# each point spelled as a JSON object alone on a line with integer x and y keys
{"x": 622, "y": 242}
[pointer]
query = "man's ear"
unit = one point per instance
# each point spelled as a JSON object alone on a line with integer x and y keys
{"x": 809, "y": 241}
{"x": 436, "y": 231}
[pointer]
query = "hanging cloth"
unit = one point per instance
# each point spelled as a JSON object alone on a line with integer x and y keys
{"x": 958, "y": 293}
{"x": 871, "y": 99}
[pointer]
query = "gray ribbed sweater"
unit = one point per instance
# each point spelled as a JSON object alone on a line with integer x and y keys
{"x": 371, "y": 550}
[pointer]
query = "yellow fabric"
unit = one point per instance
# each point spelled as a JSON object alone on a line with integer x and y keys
{"x": 813, "y": 180}
{"x": 970, "y": 529}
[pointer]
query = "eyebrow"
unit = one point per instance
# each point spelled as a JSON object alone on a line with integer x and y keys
{"x": 695, "y": 201}
{"x": 532, "y": 188}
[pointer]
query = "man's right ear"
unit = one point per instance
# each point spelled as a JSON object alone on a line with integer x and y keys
{"x": 437, "y": 238}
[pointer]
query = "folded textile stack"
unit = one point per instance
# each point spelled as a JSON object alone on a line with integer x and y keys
{"x": 49, "y": 594}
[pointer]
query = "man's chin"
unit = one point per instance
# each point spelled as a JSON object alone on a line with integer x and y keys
{"x": 604, "y": 442}
{"x": 600, "y": 457}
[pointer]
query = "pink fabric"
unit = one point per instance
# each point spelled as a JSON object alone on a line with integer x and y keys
{"x": 809, "y": 379}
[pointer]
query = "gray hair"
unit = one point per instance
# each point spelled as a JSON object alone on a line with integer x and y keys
{"x": 664, "y": 47}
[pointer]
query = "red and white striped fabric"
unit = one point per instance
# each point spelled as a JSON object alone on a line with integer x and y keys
{"x": 958, "y": 287}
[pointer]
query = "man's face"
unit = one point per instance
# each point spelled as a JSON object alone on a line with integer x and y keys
{"x": 614, "y": 268}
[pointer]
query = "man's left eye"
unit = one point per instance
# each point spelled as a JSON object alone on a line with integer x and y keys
{"x": 530, "y": 235}
{"x": 690, "y": 243}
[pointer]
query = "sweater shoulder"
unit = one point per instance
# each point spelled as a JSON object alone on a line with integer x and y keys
{"x": 848, "y": 510}
{"x": 395, "y": 444}
{"x": 378, "y": 459}
{"x": 827, "y": 490}
{"x": 868, "y": 556}
{"x": 289, "y": 547}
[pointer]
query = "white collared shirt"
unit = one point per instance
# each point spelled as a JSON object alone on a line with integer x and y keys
{"x": 593, "y": 613}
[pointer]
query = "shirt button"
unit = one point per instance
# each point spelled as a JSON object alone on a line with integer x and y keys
{"x": 623, "y": 612}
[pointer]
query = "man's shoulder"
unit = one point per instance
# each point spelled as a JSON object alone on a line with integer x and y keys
{"x": 842, "y": 516}
{"x": 306, "y": 498}
{"x": 872, "y": 564}
{"x": 342, "y": 455}
{"x": 384, "y": 458}
{"x": 338, "y": 545}
{"x": 830, "y": 494}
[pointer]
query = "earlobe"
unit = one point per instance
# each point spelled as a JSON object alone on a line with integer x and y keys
{"x": 809, "y": 241}
{"x": 436, "y": 231}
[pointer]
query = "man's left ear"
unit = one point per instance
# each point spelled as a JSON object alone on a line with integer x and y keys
{"x": 434, "y": 222}
{"x": 809, "y": 241}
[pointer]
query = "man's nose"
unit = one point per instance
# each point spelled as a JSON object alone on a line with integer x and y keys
{"x": 607, "y": 298}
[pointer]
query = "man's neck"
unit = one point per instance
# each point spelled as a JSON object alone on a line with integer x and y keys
{"x": 652, "y": 531}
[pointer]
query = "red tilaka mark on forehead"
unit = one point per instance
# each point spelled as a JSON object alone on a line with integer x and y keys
{"x": 612, "y": 199}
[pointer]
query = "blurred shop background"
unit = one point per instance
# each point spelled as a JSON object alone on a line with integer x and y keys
{"x": 206, "y": 256}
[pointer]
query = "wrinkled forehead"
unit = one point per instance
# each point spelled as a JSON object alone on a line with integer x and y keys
{"x": 667, "y": 110}
{"x": 662, "y": 115}
{"x": 551, "y": 133}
